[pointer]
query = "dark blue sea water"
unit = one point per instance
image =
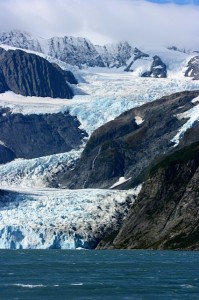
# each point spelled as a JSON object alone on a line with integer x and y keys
{"x": 65, "y": 274}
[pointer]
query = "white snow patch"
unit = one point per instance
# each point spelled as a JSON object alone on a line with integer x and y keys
{"x": 192, "y": 115}
{"x": 158, "y": 67}
{"x": 120, "y": 181}
{"x": 140, "y": 66}
{"x": 138, "y": 120}
{"x": 2, "y": 143}
{"x": 195, "y": 100}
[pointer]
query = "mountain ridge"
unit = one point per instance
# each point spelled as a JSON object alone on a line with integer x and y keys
{"x": 118, "y": 148}
{"x": 165, "y": 215}
{"x": 31, "y": 75}
{"x": 82, "y": 53}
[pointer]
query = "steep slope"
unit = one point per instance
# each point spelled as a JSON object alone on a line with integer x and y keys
{"x": 37, "y": 135}
{"x": 158, "y": 69}
{"x": 126, "y": 145}
{"x": 30, "y": 75}
{"x": 20, "y": 39}
{"x": 137, "y": 55}
{"x": 166, "y": 213}
{"x": 3, "y": 85}
{"x": 193, "y": 68}
{"x": 6, "y": 154}
{"x": 115, "y": 55}
{"x": 75, "y": 51}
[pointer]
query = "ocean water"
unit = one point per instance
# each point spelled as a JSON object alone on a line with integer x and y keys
{"x": 126, "y": 274}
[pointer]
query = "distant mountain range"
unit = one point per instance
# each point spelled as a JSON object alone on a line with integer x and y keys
{"x": 82, "y": 53}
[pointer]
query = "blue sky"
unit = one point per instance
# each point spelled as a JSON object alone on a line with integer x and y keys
{"x": 140, "y": 22}
{"x": 178, "y": 2}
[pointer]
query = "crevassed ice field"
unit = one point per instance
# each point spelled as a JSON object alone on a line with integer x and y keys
{"x": 101, "y": 96}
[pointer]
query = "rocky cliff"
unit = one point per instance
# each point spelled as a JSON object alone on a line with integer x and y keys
{"x": 158, "y": 69}
{"x": 6, "y": 154}
{"x": 30, "y": 136}
{"x": 166, "y": 213}
{"x": 31, "y": 75}
{"x": 127, "y": 145}
{"x": 193, "y": 68}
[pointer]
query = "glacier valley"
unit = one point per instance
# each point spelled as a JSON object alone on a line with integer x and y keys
{"x": 35, "y": 216}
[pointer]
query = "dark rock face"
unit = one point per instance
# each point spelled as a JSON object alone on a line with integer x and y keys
{"x": 30, "y": 75}
{"x": 7, "y": 197}
{"x": 166, "y": 213}
{"x": 193, "y": 68}
{"x": 6, "y": 154}
{"x": 3, "y": 85}
{"x": 30, "y": 136}
{"x": 124, "y": 147}
{"x": 158, "y": 69}
{"x": 68, "y": 75}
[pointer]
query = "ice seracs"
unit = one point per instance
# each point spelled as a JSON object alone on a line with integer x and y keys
{"x": 66, "y": 219}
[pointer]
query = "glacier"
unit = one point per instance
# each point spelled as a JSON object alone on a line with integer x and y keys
{"x": 107, "y": 96}
{"x": 35, "y": 216}
{"x": 34, "y": 173}
{"x": 66, "y": 219}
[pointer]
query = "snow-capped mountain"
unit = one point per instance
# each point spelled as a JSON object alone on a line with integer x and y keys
{"x": 115, "y": 55}
{"x": 20, "y": 39}
{"x": 75, "y": 51}
{"x": 80, "y": 52}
